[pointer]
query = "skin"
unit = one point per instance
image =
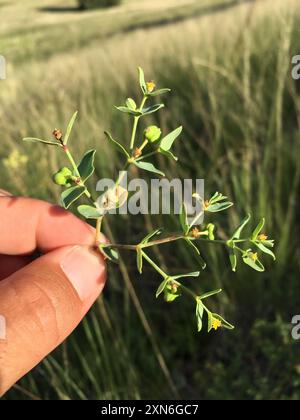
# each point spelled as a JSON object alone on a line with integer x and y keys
{"x": 50, "y": 276}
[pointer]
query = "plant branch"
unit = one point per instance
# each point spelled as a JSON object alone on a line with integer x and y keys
{"x": 136, "y": 122}
{"x": 155, "y": 266}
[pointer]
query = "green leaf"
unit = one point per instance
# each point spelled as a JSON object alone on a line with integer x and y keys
{"x": 69, "y": 128}
{"x": 268, "y": 243}
{"x": 217, "y": 197}
{"x": 159, "y": 92}
{"x": 209, "y": 321}
{"x": 89, "y": 212}
{"x": 147, "y": 166}
{"x": 233, "y": 260}
{"x": 152, "y": 109}
{"x": 199, "y": 314}
{"x": 70, "y": 195}
{"x": 130, "y": 111}
{"x": 264, "y": 249}
{"x": 109, "y": 253}
{"x": 209, "y": 294}
{"x": 256, "y": 265}
{"x": 139, "y": 260}
{"x": 214, "y": 208}
{"x": 116, "y": 144}
{"x": 225, "y": 324}
{"x": 168, "y": 154}
{"x": 192, "y": 274}
{"x": 237, "y": 233}
{"x": 86, "y": 167}
{"x": 142, "y": 80}
{"x": 258, "y": 229}
{"x": 197, "y": 253}
{"x": 130, "y": 103}
{"x": 36, "y": 140}
{"x": 162, "y": 287}
{"x": 168, "y": 141}
{"x": 151, "y": 235}
{"x": 218, "y": 203}
{"x": 184, "y": 220}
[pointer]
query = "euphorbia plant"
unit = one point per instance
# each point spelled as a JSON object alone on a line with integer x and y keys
{"x": 74, "y": 179}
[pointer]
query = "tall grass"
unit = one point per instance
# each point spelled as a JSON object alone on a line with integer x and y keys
{"x": 232, "y": 90}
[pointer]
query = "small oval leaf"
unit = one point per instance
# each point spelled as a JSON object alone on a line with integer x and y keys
{"x": 152, "y": 109}
{"x": 69, "y": 196}
{"x": 89, "y": 212}
{"x": 167, "y": 142}
{"x": 238, "y": 231}
{"x": 86, "y": 166}
{"x": 109, "y": 253}
{"x": 146, "y": 166}
{"x": 116, "y": 144}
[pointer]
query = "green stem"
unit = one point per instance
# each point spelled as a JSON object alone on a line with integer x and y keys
{"x": 196, "y": 218}
{"x": 155, "y": 266}
{"x": 187, "y": 291}
{"x": 98, "y": 229}
{"x": 135, "y": 123}
{"x": 146, "y": 156}
{"x": 172, "y": 238}
{"x": 72, "y": 161}
{"x": 121, "y": 246}
{"x": 240, "y": 241}
{"x": 169, "y": 239}
{"x": 143, "y": 145}
{"x": 215, "y": 241}
{"x": 239, "y": 249}
{"x": 121, "y": 176}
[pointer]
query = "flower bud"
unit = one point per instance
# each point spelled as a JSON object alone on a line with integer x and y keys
{"x": 66, "y": 172}
{"x": 150, "y": 86}
{"x": 62, "y": 177}
{"x": 211, "y": 228}
{"x": 152, "y": 133}
{"x": 59, "y": 179}
{"x": 262, "y": 237}
{"x": 171, "y": 292}
{"x": 57, "y": 134}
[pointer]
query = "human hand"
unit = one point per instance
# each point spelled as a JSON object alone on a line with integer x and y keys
{"x": 42, "y": 299}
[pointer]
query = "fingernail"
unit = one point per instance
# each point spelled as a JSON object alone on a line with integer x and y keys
{"x": 85, "y": 270}
{"x": 4, "y": 193}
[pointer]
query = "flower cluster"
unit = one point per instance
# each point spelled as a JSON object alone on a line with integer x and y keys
{"x": 138, "y": 153}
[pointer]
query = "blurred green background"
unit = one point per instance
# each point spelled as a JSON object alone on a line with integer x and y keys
{"x": 229, "y": 66}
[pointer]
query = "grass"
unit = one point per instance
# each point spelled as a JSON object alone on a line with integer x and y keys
{"x": 229, "y": 68}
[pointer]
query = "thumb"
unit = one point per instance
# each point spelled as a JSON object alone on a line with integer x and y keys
{"x": 42, "y": 303}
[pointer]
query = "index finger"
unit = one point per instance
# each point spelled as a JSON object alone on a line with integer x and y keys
{"x": 28, "y": 224}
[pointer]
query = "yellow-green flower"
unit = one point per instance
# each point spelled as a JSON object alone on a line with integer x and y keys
{"x": 262, "y": 237}
{"x": 216, "y": 324}
{"x": 150, "y": 86}
{"x": 253, "y": 256}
